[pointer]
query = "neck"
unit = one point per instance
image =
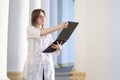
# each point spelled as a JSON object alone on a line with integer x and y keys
{"x": 39, "y": 26}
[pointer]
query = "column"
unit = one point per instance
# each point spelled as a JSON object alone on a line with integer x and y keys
{"x": 54, "y": 22}
{"x": 4, "y": 11}
{"x": 80, "y": 63}
{"x": 103, "y": 40}
{"x": 17, "y": 40}
{"x": 45, "y": 5}
{"x": 34, "y": 4}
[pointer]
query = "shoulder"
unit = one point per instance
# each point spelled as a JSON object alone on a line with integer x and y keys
{"x": 30, "y": 27}
{"x": 50, "y": 36}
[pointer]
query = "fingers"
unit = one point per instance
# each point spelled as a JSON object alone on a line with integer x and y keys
{"x": 57, "y": 46}
{"x": 65, "y": 24}
{"x": 59, "y": 43}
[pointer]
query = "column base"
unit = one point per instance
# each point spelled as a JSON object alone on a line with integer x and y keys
{"x": 76, "y": 75}
{"x": 5, "y": 79}
{"x": 15, "y": 75}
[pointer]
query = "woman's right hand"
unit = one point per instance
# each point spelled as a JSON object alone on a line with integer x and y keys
{"x": 63, "y": 25}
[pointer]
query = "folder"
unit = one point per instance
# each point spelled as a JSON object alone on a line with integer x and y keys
{"x": 63, "y": 36}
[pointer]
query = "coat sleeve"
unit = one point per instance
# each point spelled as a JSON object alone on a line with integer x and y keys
{"x": 33, "y": 33}
{"x": 50, "y": 38}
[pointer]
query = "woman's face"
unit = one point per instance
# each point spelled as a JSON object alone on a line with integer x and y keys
{"x": 41, "y": 19}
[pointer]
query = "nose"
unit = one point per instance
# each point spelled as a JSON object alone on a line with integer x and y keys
{"x": 43, "y": 19}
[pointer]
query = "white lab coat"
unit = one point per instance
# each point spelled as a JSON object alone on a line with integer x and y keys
{"x": 37, "y": 61}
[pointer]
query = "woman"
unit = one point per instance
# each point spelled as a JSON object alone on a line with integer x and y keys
{"x": 39, "y": 38}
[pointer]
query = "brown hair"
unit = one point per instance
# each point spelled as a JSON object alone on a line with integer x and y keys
{"x": 35, "y": 15}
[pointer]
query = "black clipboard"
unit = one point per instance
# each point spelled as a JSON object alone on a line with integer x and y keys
{"x": 63, "y": 36}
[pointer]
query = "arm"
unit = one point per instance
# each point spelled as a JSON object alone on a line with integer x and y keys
{"x": 52, "y": 29}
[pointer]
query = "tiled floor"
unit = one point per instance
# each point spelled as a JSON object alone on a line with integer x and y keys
{"x": 60, "y": 74}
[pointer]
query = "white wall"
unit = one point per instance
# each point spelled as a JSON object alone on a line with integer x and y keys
{"x": 100, "y": 19}
{"x": 103, "y": 40}
{"x": 81, "y": 35}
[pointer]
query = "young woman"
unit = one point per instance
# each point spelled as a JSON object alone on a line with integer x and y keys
{"x": 40, "y": 65}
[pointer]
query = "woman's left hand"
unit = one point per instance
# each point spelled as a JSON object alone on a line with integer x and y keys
{"x": 57, "y": 46}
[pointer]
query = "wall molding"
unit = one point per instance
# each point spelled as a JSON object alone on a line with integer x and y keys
{"x": 63, "y": 65}
{"x": 66, "y": 64}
